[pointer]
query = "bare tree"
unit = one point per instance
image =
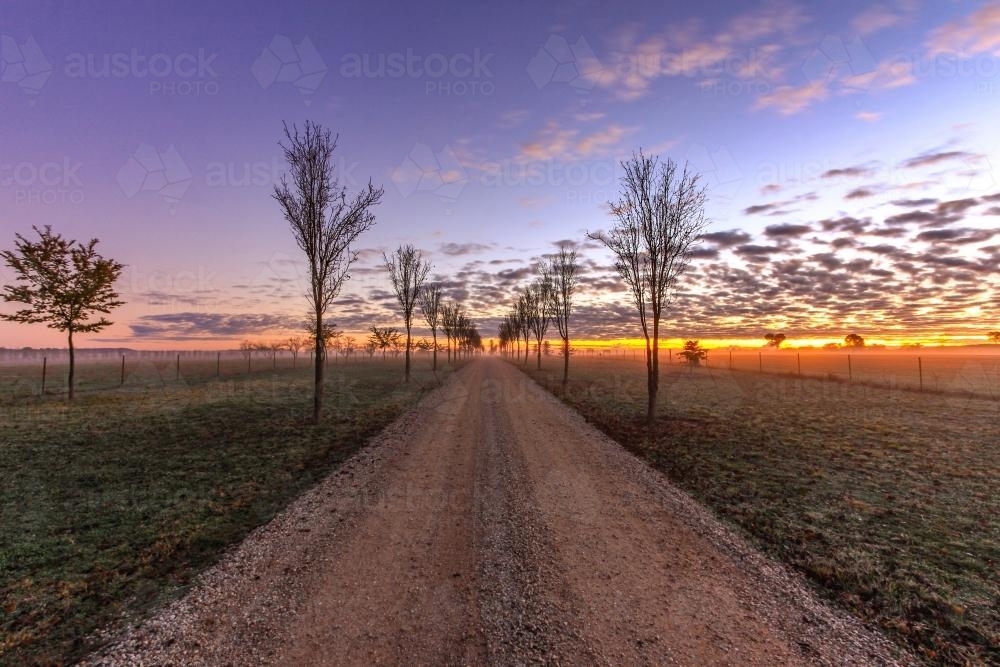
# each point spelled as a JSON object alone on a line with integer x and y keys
{"x": 384, "y": 338}
{"x": 450, "y": 314}
{"x": 430, "y": 306}
{"x": 562, "y": 271}
{"x": 538, "y": 306}
{"x": 659, "y": 219}
{"x": 324, "y": 223}
{"x": 294, "y": 344}
{"x": 407, "y": 272}
{"x": 63, "y": 283}
{"x": 522, "y": 310}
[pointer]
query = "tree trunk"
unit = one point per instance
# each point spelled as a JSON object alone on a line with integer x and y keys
{"x": 527, "y": 350}
{"x": 434, "y": 364}
{"x": 539, "y": 354}
{"x": 653, "y": 375}
{"x": 320, "y": 354}
{"x": 406, "y": 374}
{"x": 565, "y": 360}
{"x": 72, "y": 364}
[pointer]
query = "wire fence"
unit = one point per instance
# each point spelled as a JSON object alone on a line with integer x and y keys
{"x": 25, "y": 373}
{"x": 965, "y": 372}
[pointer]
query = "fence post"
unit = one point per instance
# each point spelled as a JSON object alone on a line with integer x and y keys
{"x": 45, "y": 364}
{"x": 178, "y": 366}
{"x": 798, "y": 360}
{"x": 760, "y": 362}
{"x": 920, "y": 372}
{"x": 850, "y": 370}
{"x": 123, "y": 372}
{"x": 730, "y": 360}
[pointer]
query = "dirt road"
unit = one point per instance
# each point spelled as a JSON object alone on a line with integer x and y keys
{"x": 492, "y": 525}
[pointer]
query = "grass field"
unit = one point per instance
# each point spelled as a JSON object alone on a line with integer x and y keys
{"x": 110, "y": 505}
{"x": 885, "y": 498}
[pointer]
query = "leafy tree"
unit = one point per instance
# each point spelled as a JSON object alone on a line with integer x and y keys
{"x": 693, "y": 352}
{"x": 853, "y": 340}
{"x": 659, "y": 219}
{"x": 430, "y": 306}
{"x": 407, "y": 273}
{"x": 774, "y": 339}
{"x": 994, "y": 337}
{"x": 562, "y": 269}
{"x": 324, "y": 222}
{"x": 62, "y": 283}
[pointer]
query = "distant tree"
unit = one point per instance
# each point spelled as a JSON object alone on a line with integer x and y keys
{"x": 430, "y": 306}
{"x": 774, "y": 339}
{"x": 324, "y": 222}
{"x": 562, "y": 269}
{"x": 693, "y": 352}
{"x": 451, "y": 313}
{"x": 538, "y": 303}
{"x": 328, "y": 335}
{"x": 63, "y": 283}
{"x": 294, "y": 344}
{"x": 522, "y": 310}
{"x": 854, "y": 340}
{"x": 660, "y": 218}
{"x": 350, "y": 343}
{"x": 384, "y": 338}
{"x": 831, "y": 346}
{"x": 994, "y": 337}
{"x": 370, "y": 347}
{"x": 407, "y": 273}
{"x": 247, "y": 347}
{"x": 505, "y": 335}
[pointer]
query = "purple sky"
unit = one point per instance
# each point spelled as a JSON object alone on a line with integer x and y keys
{"x": 851, "y": 153}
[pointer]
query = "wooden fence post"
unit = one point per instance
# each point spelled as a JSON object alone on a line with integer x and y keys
{"x": 760, "y": 362}
{"x": 123, "y": 372}
{"x": 850, "y": 370}
{"x": 798, "y": 360}
{"x": 178, "y": 366}
{"x": 920, "y": 372}
{"x": 45, "y": 364}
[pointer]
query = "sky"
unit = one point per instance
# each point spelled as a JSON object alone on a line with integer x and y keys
{"x": 850, "y": 152}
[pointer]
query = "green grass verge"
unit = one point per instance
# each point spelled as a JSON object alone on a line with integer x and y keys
{"x": 886, "y": 499}
{"x": 111, "y": 505}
